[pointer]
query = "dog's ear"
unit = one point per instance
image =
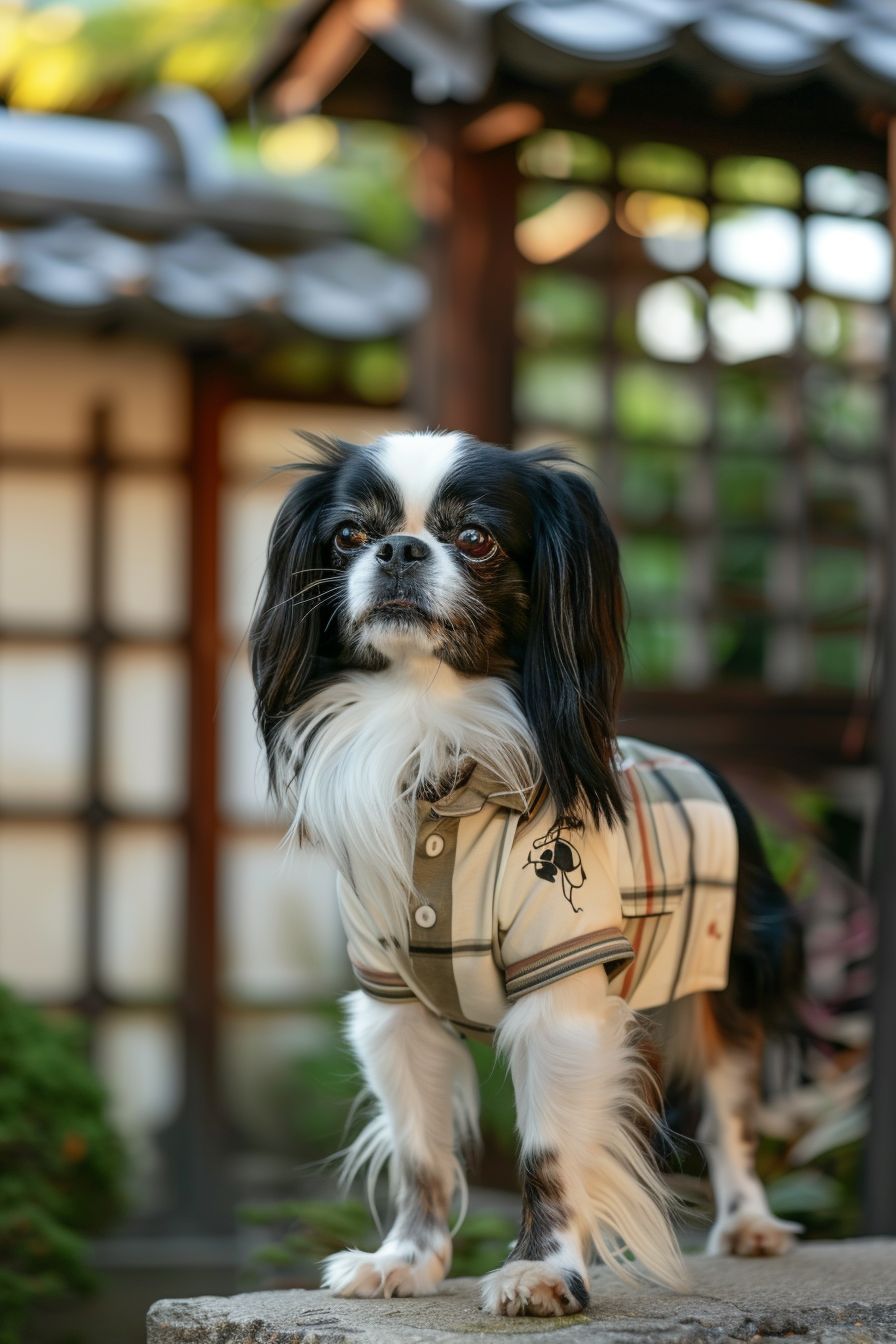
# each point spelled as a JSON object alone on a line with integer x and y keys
{"x": 575, "y": 649}
{"x": 293, "y": 606}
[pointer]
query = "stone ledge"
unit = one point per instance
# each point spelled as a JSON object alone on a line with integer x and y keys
{"x": 825, "y": 1293}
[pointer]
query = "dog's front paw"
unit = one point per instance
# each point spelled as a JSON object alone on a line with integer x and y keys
{"x": 752, "y": 1234}
{"x": 385, "y": 1273}
{"x": 534, "y": 1288}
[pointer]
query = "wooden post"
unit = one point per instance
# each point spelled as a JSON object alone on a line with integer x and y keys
{"x": 197, "y": 1140}
{"x": 880, "y": 1173}
{"x": 463, "y": 376}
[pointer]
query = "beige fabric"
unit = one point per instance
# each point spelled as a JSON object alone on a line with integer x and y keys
{"x": 519, "y": 902}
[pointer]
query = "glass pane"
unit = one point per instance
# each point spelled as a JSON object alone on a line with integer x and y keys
{"x": 50, "y": 386}
{"x": 580, "y": 447}
{"x": 845, "y": 191}
{"x": 756, "y": 245}
{"x": 660, "y": 405}
{"x": 857, "y": 332}
{"x": 259, "y": 435}
{"x": 751, "y": 323}
{"x": 42, "y": 924}
{"x": 846, "y": 495}
{"x": 672, "y": 228}
{"x": 837, "y": 581}
{"x": 656, "y": 649}
{"x": 670, "y": 320}
{"x": 555, "y": 307}
{"x": 147, "y": 540}
{"x": 768, "y": 181}
{"x": 839, "y": 660}
{"x": 247, "y": 513}
{"x": 666, "y": 167}
{"x": 43, "y": 725}
{"x": 44, "y": 521}
{"x": 742, "y": 569}
{"x": 142, "y": 887}
{"x": 753, "y": 410}
{"x": 282, "y": 936}
{"x": 846, "y": 414}
{"x": 139, "y": 1057}
{"x": 243, "y": 771}
{"x": 653, "y": 569}
{"x": 852, "y": 257}
{"x": 556, "y": 223}
{"x": 747, "y": 488}
{"x": 149, "y": 389}
{"x": 652, "y": 481}
{"x": 144, "y": 730}
{"x": 47, "y": 386}
{"x": 564, "y": 154}
{"x": 561, "y": 388}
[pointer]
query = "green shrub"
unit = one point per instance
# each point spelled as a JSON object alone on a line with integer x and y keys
{"x": 307, "y": 1230}
{"x": 61, "y": 1164}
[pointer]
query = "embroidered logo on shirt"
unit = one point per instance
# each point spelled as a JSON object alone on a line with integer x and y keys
{"x": 551, "y": 856}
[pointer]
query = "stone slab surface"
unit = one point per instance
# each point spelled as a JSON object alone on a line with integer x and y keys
{"x": 824, "y": 1293}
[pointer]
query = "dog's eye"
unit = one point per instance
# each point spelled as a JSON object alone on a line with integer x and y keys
{"x": 349, "y": 538}
{"x": 475, "y": 543}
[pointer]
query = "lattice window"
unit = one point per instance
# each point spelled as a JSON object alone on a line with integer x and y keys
{"x": 712, "y": 338}
{"x": 93, "y": 693}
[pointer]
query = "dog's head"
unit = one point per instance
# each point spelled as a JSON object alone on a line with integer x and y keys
{"x": 440, "y": 546}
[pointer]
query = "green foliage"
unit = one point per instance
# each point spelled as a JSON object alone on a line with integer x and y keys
{"x": 823, "y": 1195}
{"x": 664, "y": 167}
{"x": 564, "y": 154}
{"x": 331, "y": 1078}
{"x": 305, "y": 1231}
{"x": 770, "y": 181}
{"x": 655, "y": 405}
{"x": 61, "y": 1164}
{"x": 556, "y": 308}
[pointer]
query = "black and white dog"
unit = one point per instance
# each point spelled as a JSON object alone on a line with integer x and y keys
{"x": 437, "y": 653}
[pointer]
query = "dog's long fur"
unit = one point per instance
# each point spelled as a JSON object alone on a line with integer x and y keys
{"x": 432, "y": 601}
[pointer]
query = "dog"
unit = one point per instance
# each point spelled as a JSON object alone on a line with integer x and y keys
{"x": 437, "y": 652}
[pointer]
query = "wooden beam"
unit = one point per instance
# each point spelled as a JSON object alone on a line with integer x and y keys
{"x": 464, "y": 354}
{"x": 880, "y": 1154}
{"x": 801, "y": 733}
{"x": 197, "y": 1141}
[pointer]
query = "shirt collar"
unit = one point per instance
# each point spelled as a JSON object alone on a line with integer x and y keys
{"x": 479, "y": 788}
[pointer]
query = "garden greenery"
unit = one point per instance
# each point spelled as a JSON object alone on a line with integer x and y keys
{"x": 61, "y": 1163}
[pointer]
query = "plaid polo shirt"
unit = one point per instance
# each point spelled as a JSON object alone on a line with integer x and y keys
{"x": 506, "y": 901}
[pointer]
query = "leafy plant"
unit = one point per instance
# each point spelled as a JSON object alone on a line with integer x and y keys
{"x": 305, "y": 1231}
{"x": 61, "y": 1164}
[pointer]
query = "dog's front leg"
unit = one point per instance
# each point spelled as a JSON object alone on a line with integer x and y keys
{"x": 589, "y": 1180}
{"x": 424, "y": 1081}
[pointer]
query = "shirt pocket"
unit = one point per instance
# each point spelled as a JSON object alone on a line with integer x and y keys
{"x": 651, "y": 899}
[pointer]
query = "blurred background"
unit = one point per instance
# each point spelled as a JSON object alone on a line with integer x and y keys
{"x": 654, "y": 230}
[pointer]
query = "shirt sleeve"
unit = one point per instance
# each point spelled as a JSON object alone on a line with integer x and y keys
{"x": 559, "y": 905}
{"x": 371, "y": 966}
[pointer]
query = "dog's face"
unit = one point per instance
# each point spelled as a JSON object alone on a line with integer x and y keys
{"x": 428, "y": 536}
{"x": 494, "y": 563}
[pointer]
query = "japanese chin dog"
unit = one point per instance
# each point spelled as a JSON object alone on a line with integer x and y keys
{"x": 437, "y": 652}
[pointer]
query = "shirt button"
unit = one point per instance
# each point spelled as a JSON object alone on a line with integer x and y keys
{"x": 434, "y": 845}
{"x": 425, "y": 916}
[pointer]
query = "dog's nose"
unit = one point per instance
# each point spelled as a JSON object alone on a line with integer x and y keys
{"x": 396, "y": 555}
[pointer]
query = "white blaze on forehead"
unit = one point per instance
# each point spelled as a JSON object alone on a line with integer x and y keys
{"x": 416, "y": 464}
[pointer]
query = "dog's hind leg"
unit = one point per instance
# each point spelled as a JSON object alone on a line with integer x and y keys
{"x": 744, "y": 1223}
